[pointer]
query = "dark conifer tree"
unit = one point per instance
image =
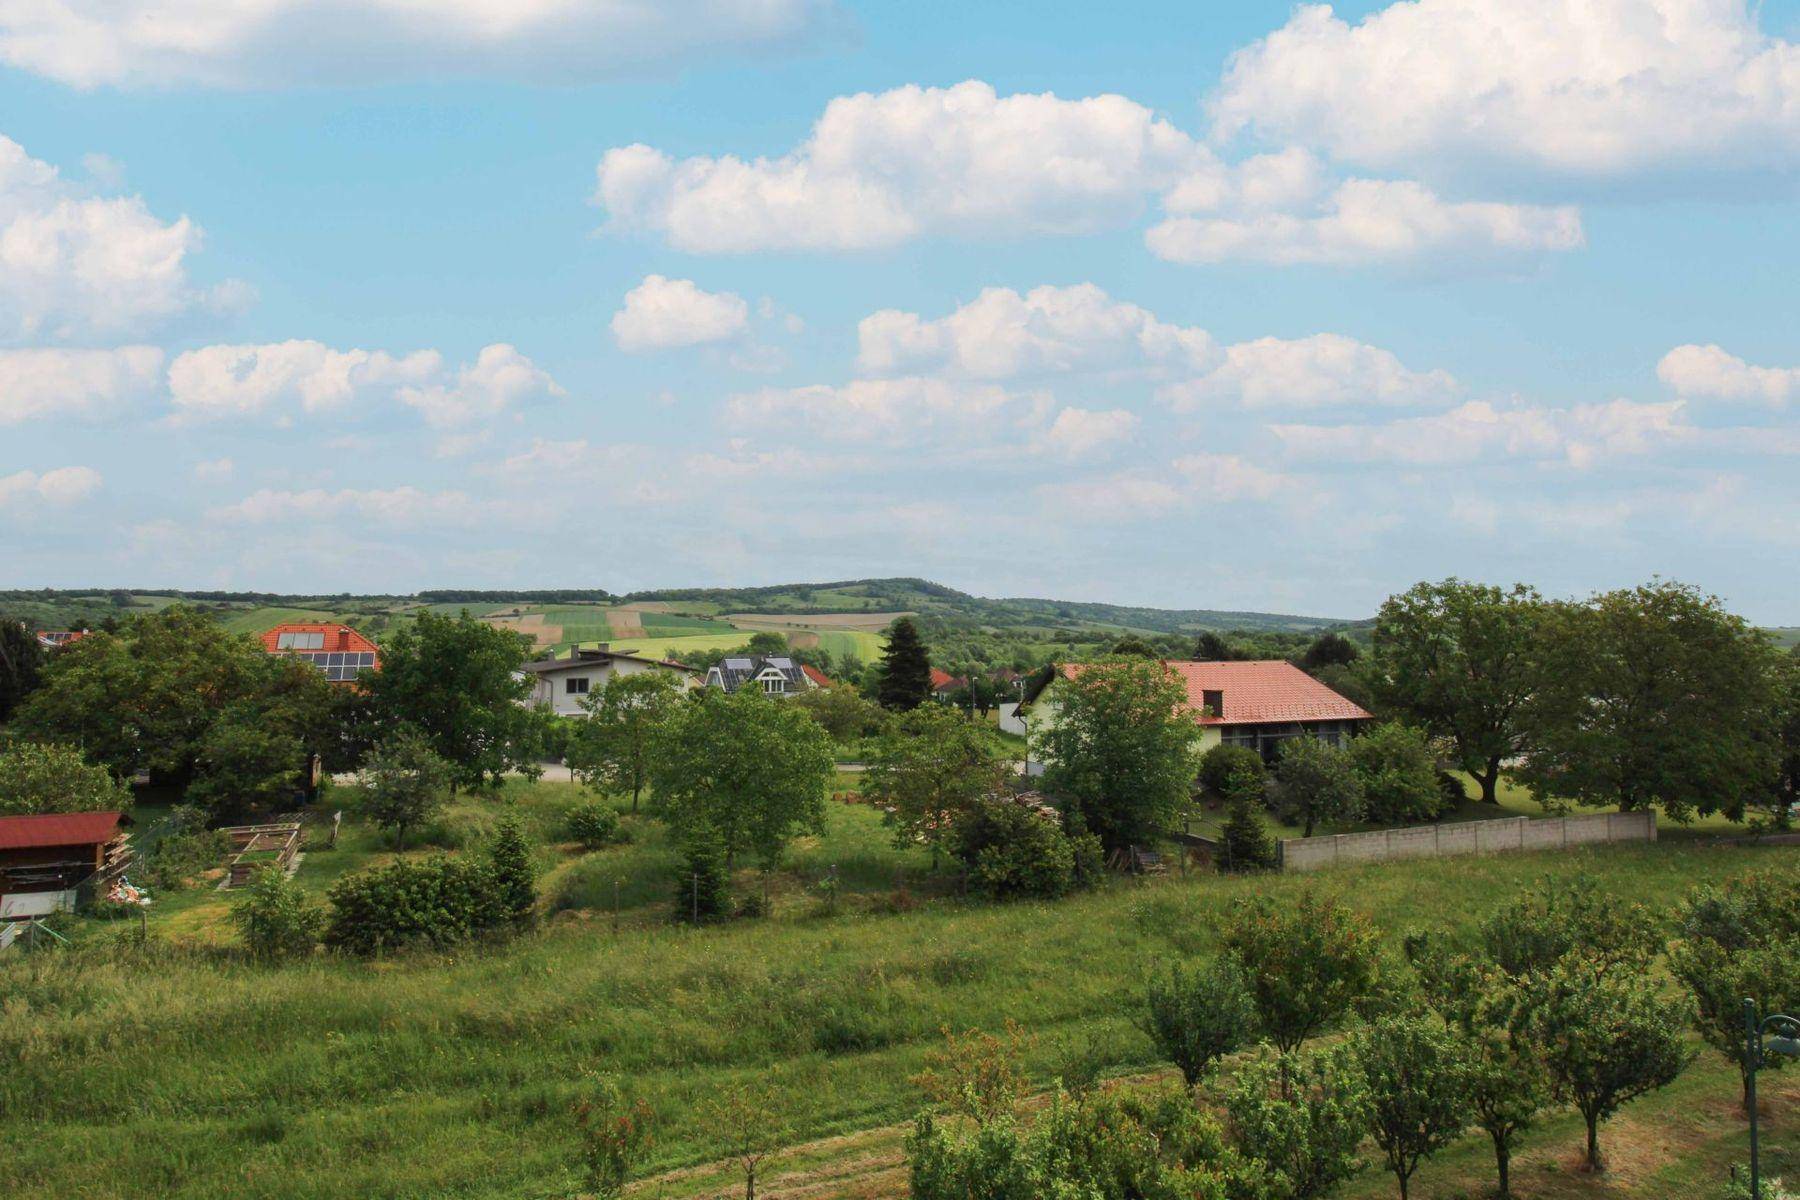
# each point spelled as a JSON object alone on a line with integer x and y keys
{"x": 905, "y": 668}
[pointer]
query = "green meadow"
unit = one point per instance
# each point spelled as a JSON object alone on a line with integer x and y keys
{"x": 180, "y": 1068}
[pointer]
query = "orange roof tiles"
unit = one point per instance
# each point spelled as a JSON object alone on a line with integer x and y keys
{"x": 1255, "y": 693}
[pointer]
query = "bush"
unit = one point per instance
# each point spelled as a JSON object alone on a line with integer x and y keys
{"x": 439, "y": 901}
{"x": 1451, "y": 793}
{"x": 1399, "y": 776}
{"x": 276, "y": 917}
{"x": 595, "y": 824}
{"x": 181, "y": 858}
{"x": 1013, "y": 850}
{"x": 1227, "y": 771}
{"x": 1303, "y": 1116}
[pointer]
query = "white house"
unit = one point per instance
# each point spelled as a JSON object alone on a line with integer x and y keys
{"x": 561, "y": 684}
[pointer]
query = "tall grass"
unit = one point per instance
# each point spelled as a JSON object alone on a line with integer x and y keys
{"x": 192, "y": 1072}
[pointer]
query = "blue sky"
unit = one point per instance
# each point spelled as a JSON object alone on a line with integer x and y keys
{"x": 1233, "y": 306}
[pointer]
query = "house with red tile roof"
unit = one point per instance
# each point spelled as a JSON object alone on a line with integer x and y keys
{"x": 819, "y": 678}
{"x": 1258, "y": 704}
{"x": 340, "y": 652}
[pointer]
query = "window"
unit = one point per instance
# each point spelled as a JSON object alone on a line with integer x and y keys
{"x": 575, "y": 685}
{"x": 774, "y": 687}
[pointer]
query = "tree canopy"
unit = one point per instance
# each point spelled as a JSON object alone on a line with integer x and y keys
{"x": 610, "y": 750}
{"x": 21, "y": 661}
{"x": 1651, "y": 696}
{"x": 1459, "y": 659}
{"x": 44, "y": 777}
{"x": 456, "y": 680}
{"x": 1120, "y": 746}
{"x": 744, "y": 768}
{"x": 148, "y": 697}
{"x": 927, "y": 771}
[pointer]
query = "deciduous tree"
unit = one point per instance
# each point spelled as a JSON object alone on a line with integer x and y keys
{"x": 610, "y": 750}
{"x": 1606, "y": 1034}
{"x": 930, "y": 767}
{"x": 1414, "y": 1077}
{"x": 1652, "y": 696}
{"x": 405, "y": 783}
{"x": 1306, "y": 961}
{"x": 46, "y": 777}
{"x": 745, "y": 767}
{"x": 457, "y": 681}
{"x": 21, "y": 661}
{"x": 1303, "y": 1117}
{"x": 1120, "y": 744}
{"x": 1460, "y": 659}
{"x": 1314, "y": 783}
{"x": 1398, "y": 775}
{"x": 1196, "y": 1016}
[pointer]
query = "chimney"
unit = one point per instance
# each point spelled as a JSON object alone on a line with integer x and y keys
{"x": 1213, "y": 700}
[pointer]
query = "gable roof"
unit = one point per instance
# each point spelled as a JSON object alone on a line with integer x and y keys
{"x": 734, "y": 672}
{"x": 334, "y": 637}
{"x": 1257, "y": 693}
{"x": 595, "y": 658}
{"x": 941, "y": 680}
{"x": 57, "y": 829}
{"x": 817, "y": 676}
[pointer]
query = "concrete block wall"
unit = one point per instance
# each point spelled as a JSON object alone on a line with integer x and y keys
{"x": 1467, "y": 837}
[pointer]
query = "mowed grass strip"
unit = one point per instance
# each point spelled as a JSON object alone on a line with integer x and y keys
{"x": 189, "y": 1072}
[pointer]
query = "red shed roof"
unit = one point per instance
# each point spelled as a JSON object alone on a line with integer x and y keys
{"x": 57, "y": 829}
{"x": 1255, "y": 693}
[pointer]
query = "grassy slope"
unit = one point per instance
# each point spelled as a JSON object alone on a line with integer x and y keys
{"x": 191, "y": 1073}
{"x": 259, "y": 620}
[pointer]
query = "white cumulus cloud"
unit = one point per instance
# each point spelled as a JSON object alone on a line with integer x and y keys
{"x": 667, "y": 314}
{"x": 63, "y": 384}
{"x": 1324, "y": 370}
{"x": 284, "y": 379}
{"x": 896, "y": 412}
{"x": 83, "y": 267}
{"x": 268, "y": 43}
{"x": 1481, "y": 431}
{"x": 59, "y": 487}
{"x": 1573, "y": 89}
{"x": 1048, "y": 330}
{"x": 1709, "y": 373}
{"x": 1080, "y": 330}
{"x": 1368, "y": 222}
{"x": 881, "y": 169}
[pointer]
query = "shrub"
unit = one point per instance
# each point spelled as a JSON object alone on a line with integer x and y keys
{"x": 1013, "y": 850}
{"x": 1315, "y": 782}
{"x": 1115, "y": 1144}
{"x": 438, "y": 901}
{"x": 276, "y": 917}
{"x": 595, "y": 824}
{"x": 614, "y": 1131}
{"x": 1198, "y": 1017}
{"x": 1398, "y": 774}
{"x": 1227, "y": 771}
{"x": 1302, "y": 1116}
{"x": 180, "y": 858}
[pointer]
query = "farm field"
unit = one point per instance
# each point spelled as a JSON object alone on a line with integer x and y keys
{"x": 259, "y": 620}
{"x": 451, "y": 1074}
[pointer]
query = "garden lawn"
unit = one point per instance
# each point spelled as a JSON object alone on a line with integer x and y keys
{"x": 183, "y": 1070}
